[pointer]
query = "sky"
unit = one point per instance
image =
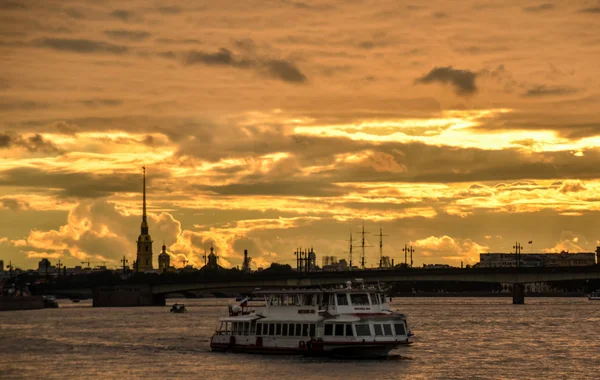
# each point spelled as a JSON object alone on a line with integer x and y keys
{"x": 455, "y": 127}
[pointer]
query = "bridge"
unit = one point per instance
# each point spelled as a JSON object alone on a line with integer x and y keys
{"x": 516, "y": 277}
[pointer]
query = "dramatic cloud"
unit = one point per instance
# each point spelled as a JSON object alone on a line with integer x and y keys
{"x": 539, "y": 8}
{"x": 122, "y": 14}
{"x": 278, "y": 69}
{"x": 591, "y": 10}
{"x": 463, "y": 81}
{"x": 33, "y": 143}
{"x": 14, "y": 204}
{"x": 275, "y": 127}
{"x": 285, "y": 71}
{"x": 80, "y": 45}
{"x": 543, "y": 90}
{"x": 10, "y": 5}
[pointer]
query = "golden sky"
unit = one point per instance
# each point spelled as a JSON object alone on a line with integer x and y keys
{"x": 459, "y": 127}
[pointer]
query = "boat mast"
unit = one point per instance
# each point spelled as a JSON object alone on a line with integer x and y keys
{"x": 350, "y": 257}
{"x": 362, "y": 259}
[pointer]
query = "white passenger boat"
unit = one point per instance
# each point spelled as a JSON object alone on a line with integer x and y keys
{"x": 595, "y": 296}
{"x": 346, "y": 321}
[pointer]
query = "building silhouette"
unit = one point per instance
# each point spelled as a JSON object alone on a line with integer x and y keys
{"x": 164, "y": 260}
{"x": 143, "y": 260}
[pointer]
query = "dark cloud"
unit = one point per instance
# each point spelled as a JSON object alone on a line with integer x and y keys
{"x": 74, "y": 184}
{"x": 25, "y": 105}
{"x": 308, "y": 5}
{"x": 275, "y": 68}
{"x": 80, "y": 45}
{"x": 543, "y": 90}
{"x": 5, "y": 140}
{"x": 171, "y": 41}
{"x": 567, "y": 125}
{"x": 539, "y": 8}
{"x": 279, "y": 187}
{"x": 122, "y": 14}
{"x": 10, "y": 5}
{"x": 101, "y": 102}
{"x": 246, "y": 44}
{"x": 285, "y": 71}
{"x": 222, "y": 57}
{"x": 590, "y": 10}
{"x": 462, "y": 80}
{"x": 14, "y": 204}
{"x": 33, "y": 143}
{"x": 572, "y": 187}
{"x": 75, "y": 13}
{"x": 169, "y": 10}
{"x": 130, "y": 35}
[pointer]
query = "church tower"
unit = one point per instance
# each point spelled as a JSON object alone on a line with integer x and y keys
{"x": 164, "y": 260}
{"x": 144, "y": 243}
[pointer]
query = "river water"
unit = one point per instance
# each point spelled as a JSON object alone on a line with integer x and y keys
{"x": 456, "y": 338}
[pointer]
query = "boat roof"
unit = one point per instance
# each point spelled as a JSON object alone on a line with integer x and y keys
{"x": 240, "y": 318}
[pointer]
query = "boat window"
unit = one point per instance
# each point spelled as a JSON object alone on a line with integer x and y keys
{"x": 387, "y": 329}
{"x": 359, "y": 299}
{"x": 234, "y": 328}
{"x": 305, "y": 329}
{"x": 342, "y": 299}
{"x": 328, "y": 329}
{"x": 259, "y": 329}
{"x": 284, "y": 329}
{"x": 378, "y": 329}
{"x": 291, "y": 331}
{"x": 271, "y": 328}
{"x": 279, "y": 329}
{"x": 313, "y": 330}
{"x": 400, "y": 330}
{"x": 339, "y": 329}
{"x": 349, "y": 330}
{"x": 298, "y": 329}
{"x": 291, "y": 300}
{"x": 362, "y": 330}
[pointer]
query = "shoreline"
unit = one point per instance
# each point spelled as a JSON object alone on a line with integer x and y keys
{"x": 487, "y": 294}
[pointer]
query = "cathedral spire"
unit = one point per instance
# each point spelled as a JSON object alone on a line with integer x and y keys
{"x": 144, "y": 220}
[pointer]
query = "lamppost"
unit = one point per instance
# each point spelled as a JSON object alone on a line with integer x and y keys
{"x": 517, "y": 247}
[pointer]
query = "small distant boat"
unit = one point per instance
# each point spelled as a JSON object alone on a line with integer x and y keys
{"x": 594, "y": 296}
{"x": 50, "y": 302}
{"x": 178, "y": 308}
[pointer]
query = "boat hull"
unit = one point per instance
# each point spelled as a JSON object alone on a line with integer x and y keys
{"x": 354, "y": 350}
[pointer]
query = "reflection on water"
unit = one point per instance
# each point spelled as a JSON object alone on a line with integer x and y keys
{"x": 456, "y": 338}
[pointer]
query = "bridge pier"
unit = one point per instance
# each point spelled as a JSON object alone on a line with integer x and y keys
{"x": 518, "y": 294}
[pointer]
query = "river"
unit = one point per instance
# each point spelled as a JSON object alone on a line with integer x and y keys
{"x": 455, "y": 338}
